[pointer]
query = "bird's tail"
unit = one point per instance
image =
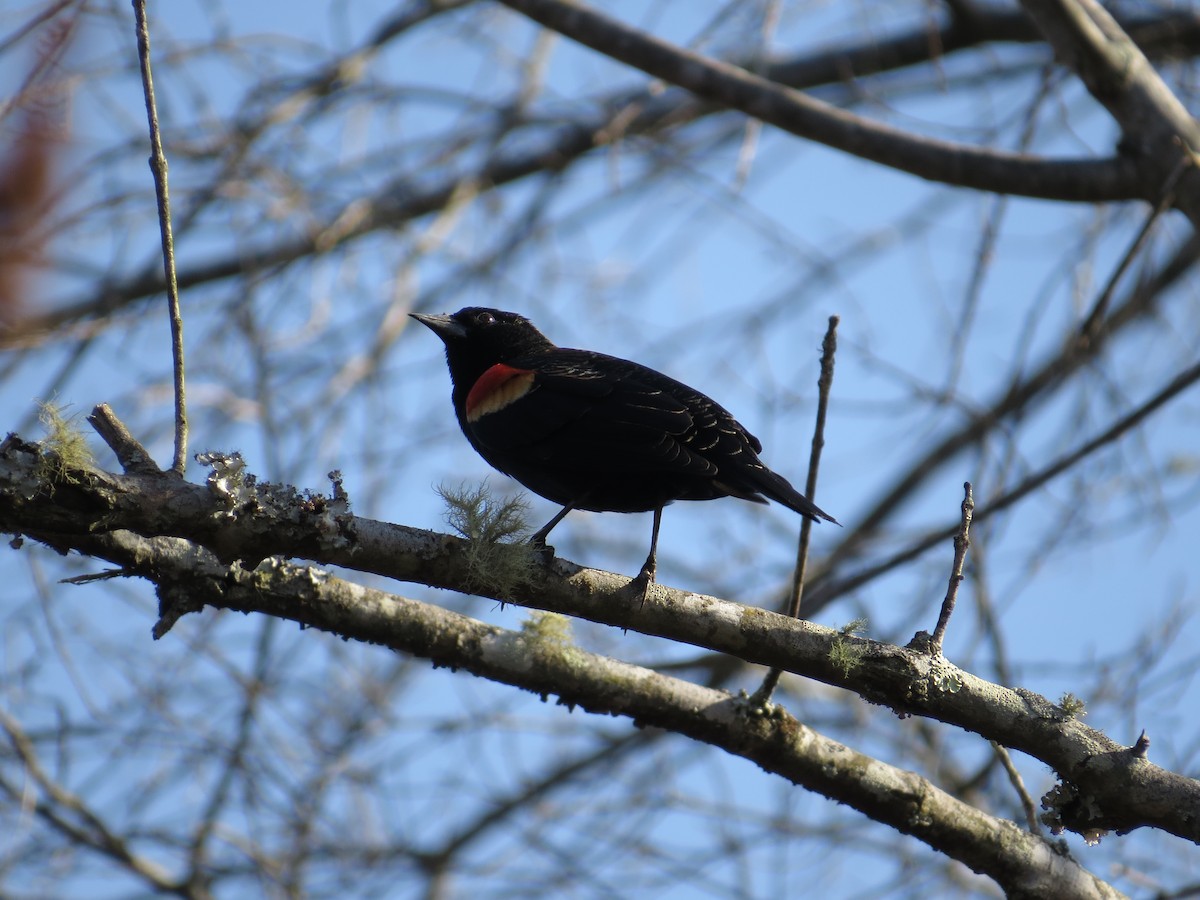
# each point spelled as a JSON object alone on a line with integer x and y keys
{"x": 776, "y": 487}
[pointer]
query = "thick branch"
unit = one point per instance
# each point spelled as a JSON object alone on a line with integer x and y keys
{"x": 546, "y": 663}
{"x": 1157, "y": 129}
{"x": 252, "y": 522}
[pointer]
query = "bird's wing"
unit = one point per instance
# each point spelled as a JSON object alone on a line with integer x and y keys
{"x": 591, "y": 411}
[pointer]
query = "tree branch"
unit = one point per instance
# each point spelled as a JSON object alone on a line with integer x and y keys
{"x": 624, "y": 115}
{"x": 543, "y": 662}
{"x": 1157, "y": 128}
{"x": 1108, "y": 787}
{"x": 158, "y": 165}
{"x": 732, "y": 87}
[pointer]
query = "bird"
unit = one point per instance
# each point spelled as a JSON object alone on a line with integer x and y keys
{"x": 595, "y": 432}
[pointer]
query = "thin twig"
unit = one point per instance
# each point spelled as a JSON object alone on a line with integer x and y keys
{"x": 78, "y": 822}
{"x": 824, "y": 384}
{"x": 1094, "y": 318}
{"x": 90, "y": 577}
{"x": 1018, "y": 783}
{"x": 1177, "y": 385}
{"x": 158, "y": 165}
{"x": 1024, "y": 394}
{"x": 962, "y": 541}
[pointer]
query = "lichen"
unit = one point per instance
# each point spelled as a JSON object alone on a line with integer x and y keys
{"x": 64, "y": 450}
{"x": 548, "y": 628}
{"x": 1072, "y": 706}
{"x": 498, "y": 559}
{"x": 228, "y": 480}
{"x": 845, "y": 656}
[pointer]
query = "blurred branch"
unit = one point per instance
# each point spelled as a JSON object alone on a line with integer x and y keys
{"x": 233, "y": 757}
{"x": 1064, "y": 463}
{"x": 1157, "y": 129}
{"x": 622, "y": 115}
{"x": 1019, "y": 398}
{"x": 501, "y": 811}
{"x": 961, "y": 165}
{"x": 68, "y": 813}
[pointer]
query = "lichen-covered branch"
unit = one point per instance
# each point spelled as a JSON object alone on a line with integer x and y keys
{"x": 542, "y": 659}
{"x": 236, "y": 520}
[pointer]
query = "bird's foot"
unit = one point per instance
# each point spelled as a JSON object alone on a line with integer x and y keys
{"x": 639, "y": 586}
{"x": 544, "y": 551}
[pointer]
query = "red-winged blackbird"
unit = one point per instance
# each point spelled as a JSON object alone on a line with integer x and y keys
{"x": 596, "y": 432}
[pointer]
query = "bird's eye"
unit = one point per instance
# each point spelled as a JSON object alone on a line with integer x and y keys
{"x": 485, "y": 319}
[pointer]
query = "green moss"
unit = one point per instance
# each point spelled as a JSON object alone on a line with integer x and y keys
{"x": 1072, "y": 706}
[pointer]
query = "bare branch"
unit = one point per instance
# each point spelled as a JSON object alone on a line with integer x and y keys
{"x": 158, "y": 166}
{"x": 962, "y": 541}
{"x": 804, "y": 116}
{"x": 1178, "y": 385}
{"x": 1157, "y": 127}
{"x": 60, "y": 806}
{"x": 1021, "y": 862}
{"x": 1018, "y": 398}
{"x": 92, "y": 510}
{"x": 824, "y": 384}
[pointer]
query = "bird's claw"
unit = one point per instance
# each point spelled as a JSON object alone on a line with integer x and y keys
{"x": 544, "y": 551}
{"x": 639, "y": 586}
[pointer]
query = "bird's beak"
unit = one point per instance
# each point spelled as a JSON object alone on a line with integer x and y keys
{"x": 443, "y": 326}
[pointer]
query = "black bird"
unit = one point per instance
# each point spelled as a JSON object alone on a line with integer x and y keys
{"x": 596, "y": 432}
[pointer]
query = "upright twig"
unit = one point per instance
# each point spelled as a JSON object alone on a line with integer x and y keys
{"x": 158, "y": 165}
{"x": 962, "y": 541}
{"x": 824, "y": 384}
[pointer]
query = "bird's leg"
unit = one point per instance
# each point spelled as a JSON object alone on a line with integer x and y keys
{"x": 645, "y": 578}
{"x": 538, "y": 541}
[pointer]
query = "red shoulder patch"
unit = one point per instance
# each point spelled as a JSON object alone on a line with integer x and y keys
{"x": 497, "y": 388}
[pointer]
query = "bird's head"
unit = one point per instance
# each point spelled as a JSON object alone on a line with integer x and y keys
{"x": 477, "y": 339}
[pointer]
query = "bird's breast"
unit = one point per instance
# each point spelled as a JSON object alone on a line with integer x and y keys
{"x": 495, "y": 389}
